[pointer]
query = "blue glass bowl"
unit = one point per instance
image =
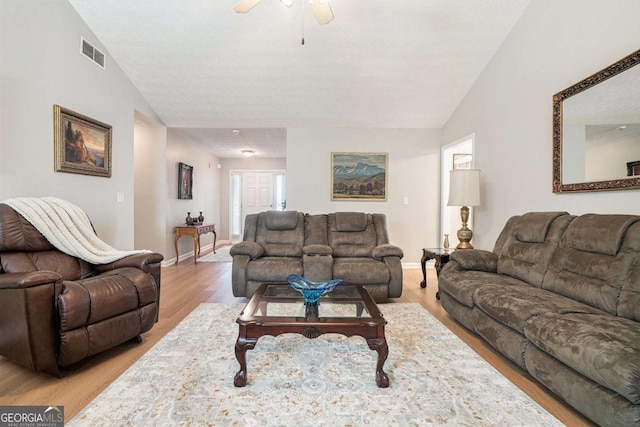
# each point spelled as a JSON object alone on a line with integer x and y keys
{"x": 311, "y": 291}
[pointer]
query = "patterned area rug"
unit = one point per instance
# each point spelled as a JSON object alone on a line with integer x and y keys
{"x": 187, "y": 379}
{"x": 221, "y": 255}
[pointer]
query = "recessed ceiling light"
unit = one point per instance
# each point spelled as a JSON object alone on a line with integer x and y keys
{"x": 236, "y": 132}
{"x": 248, "y": 153}
{"x": 623, "y": 127}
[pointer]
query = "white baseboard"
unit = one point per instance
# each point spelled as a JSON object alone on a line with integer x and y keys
{"x": 203, "y": 249}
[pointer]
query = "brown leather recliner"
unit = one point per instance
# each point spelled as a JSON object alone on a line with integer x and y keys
{"x": 56, "y": 309}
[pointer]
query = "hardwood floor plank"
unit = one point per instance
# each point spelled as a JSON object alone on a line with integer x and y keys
{"x": 184, "y": 287}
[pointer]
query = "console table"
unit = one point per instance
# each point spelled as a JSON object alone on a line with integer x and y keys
{"x": 194, "y": 231}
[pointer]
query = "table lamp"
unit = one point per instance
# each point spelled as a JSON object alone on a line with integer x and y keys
{"x": 464, "y": 190}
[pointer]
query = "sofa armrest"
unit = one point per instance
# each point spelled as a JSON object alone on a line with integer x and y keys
{"x": 28, "y": 319}
{"x": 476, "y": 259}
{"x": 253, "y": 249}
{"x": 387, "y": 249}
{"x": 317, "y": 250}
{"x": 140, "y": 261}
{"x": 27, "y": 280}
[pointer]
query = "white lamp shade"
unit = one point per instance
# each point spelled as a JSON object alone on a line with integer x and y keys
{"x": 464, "y": 187}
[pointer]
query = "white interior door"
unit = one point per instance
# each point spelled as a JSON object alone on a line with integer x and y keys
{"x": 257, "y": 193}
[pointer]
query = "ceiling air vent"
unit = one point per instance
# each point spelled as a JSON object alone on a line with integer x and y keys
{"x": 91, "y": 52}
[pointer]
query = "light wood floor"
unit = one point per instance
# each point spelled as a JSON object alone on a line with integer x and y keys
{"x": 184, "y": 287}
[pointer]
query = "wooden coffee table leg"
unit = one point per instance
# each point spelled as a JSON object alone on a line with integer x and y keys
{"x": 242, "y": 345}
{"x": 380, "y": 345}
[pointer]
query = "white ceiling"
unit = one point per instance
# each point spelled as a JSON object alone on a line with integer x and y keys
{"x": 389, "y": 64}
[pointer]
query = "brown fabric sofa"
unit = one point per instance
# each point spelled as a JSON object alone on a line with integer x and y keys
{"x": 559, "y": 295}
{"x": 56, "y": 309}
{"x": 352, "y": 246}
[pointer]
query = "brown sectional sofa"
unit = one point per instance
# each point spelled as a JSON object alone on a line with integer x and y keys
{"x": 352, "y": 246}
{"x": 559, "y": 295}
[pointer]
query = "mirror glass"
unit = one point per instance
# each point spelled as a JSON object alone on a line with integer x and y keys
{"x": 597, "y": 131}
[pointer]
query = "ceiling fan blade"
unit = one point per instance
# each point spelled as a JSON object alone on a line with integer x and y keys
{"x": 322, "y": 11}
{"x": 245, "y": 5}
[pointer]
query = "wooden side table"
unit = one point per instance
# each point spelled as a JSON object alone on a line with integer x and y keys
{"x": 194, "y": 231}
{"x": 440, "y": 255}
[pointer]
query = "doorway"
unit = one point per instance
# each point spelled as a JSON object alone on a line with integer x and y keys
{"x": 457, "y": 155}
{"x": 253, "y": 192}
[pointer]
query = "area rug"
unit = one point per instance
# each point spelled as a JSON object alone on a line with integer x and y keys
{"x": 186, "y": 379}
{"x": 221, "y": 255}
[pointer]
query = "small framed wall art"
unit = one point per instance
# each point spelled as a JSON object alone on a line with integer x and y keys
{"x": 359, "y": 176}
{"x": 81, "y": 144}
{"x": 185, "y": 181}
{"x": 462, "y": 161}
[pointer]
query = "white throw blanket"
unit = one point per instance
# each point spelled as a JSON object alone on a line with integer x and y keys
{"x": 67, "y": 228}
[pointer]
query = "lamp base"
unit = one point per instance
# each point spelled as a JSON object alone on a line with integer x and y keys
{"x": 464, "y": 234}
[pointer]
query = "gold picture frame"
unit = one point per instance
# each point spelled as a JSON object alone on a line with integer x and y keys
{"x": 81, "y": 144}
{"x": 359, "y": 176}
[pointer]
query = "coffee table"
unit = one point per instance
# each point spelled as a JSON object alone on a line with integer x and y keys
{"x": 279, "y": 309}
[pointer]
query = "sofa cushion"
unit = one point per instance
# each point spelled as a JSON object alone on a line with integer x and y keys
{"x": 18, "y": 234}
{"x": 351, "y": 221}
{"x": 600, "y": 234}
{"x": 604, "y": 348}
{"x": 462, "y": 284}
{"x": 528, "y": 259}
{"x": 514, "y": 305}
{"x": 273, "y": 269}
{"x": 354, "y": 243}
{"x": 602, "y": 271}
{"x": 364, "y": 271}
{"x": 105, "y": 296}
{"x": 629, "y": 299}
{"x": 350, "y": 251}
{"x": 533, "y": 227}
{"x": 591, "y": 278}
{"x": 315, "y": 230}
{"x": 281, "y": 239}
{"x": 70, "y": 268}
{"x": 278, "y": 221}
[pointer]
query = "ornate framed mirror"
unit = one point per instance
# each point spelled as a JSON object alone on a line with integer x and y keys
{"x": 596, "y": 130}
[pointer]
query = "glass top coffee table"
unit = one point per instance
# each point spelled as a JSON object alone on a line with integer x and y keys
{"x": 279, "y": 309}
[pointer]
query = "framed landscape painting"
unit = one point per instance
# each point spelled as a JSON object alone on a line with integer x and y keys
{"x": 81, "y": 144}
{"x": 359, "y": 176}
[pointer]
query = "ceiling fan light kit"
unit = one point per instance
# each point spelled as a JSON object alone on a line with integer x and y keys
{"x": 321, "y": 8}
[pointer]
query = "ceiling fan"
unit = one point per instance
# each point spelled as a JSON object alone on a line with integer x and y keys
{"x": 320, "y": 8}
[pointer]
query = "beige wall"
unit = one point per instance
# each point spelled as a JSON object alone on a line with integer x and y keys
{"x": 150, "y": 202}
{"x": 554, "y": 45}
{"x": 414, "y": 168}
{"x": 41, "y": 66}
{"x": 206, "y": 192}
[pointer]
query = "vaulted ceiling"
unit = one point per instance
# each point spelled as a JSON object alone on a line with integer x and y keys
{"x": 206, "y": 70}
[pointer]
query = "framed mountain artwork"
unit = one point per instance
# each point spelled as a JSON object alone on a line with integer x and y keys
{"x": 359, "y": 176}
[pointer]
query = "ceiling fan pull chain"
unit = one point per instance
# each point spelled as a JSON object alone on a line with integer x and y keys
{"x": 303, "y": 2}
